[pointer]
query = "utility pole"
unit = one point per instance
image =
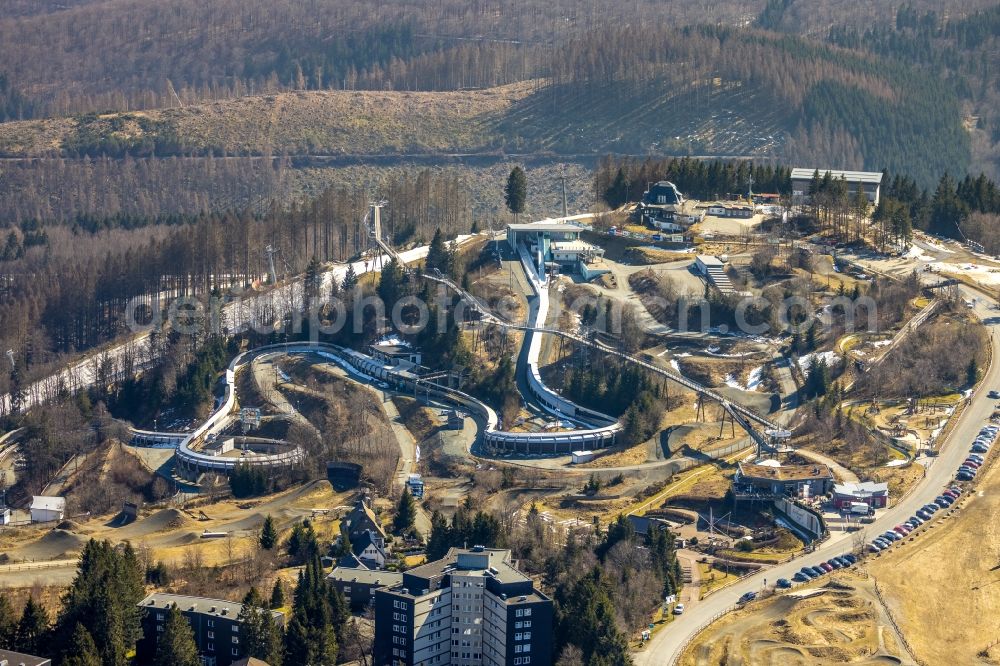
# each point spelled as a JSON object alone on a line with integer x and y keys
{"x": 565, "y": 207}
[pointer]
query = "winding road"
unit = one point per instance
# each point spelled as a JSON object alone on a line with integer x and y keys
{"x": 667, "y": 646}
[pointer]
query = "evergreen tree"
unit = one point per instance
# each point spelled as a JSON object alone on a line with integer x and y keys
{"x": 390, "y": 284}
{"x": 313, "y": 280}
{"x": 350, "y": 279}
{"x": 277, "y": 595}
{"x": 8, "y": 624}
{"x": 438, "y": 255}
{"x": 317, "y": 618}
{"x": 32, "y": 629}
{"x": 617, "y": 193}
{"x": 82, "y": 649}
{"x": 268, "y": 534}
{"x": 439, "y": 540}
{"x": 972, "y": 372}
{"x": 406, "y": 512}
{"x": 516, "y": 192}
{"x": 586, "y": 618}
{"x": 260, "y": 635}
{"x": 104, "y": 598}
{"x": 176, "y": 646}
{"x": 302, "y": 544}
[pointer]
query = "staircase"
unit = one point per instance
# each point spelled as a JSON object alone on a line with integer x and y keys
{"x": 717, "y": 276}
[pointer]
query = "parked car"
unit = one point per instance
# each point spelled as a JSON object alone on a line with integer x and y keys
{"x": 784, "y": 583}
{"x": 916, "y": 520}
{"x": 978, "y": 458}
{"x": 657, "y": 237}
{"x": 969, "y": 462}
{"x": 994, "y": 394}
{"x": 956, "y": 489}
{"x": 679, "y": 609}
{"x": 924, "y": 515}
{"x": 748, "y": 597}
{"x": 800, "y": 577}
{"x": 965, "y": 476}
{"x": 875, "y": 547}
{"x": 807, "y": 572}
{"x": 826, "y": 567}
{"x": 850, "y": 557}
{"x": 834, "y": 563}
{"x": 966, "y": 468}
{"x": 943, "y": 503}
{"x": 933, "y": 508}
{"x": 980, "y": 448}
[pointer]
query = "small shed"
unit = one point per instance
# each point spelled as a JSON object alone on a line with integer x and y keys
{"x": 579, "y": 457}
{"x": 47, "y": 509}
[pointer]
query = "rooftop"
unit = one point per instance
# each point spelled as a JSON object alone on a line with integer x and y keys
{"x": 493, "y": 562}
{"x": 544, "y": 226}
{"x": 201, "y": 605}
{"x": 863, "y": 489}
{"x": 785, "y": 472}
{"x": 366, "y": 576}
{"x": 850, "y": 176}
{"x": 709, "y": 260}
{"x": 9, "y": 658}
{"x": 44, "y": 503}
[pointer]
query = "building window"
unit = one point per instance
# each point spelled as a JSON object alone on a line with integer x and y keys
{"x": 235, "y": 652}
{"x": 210, "y": 623}
{"x": 347, "y": 589}
{"x": 159, "y": 627}
{"x": 527, "y": 612}
{"x": 211, "y": 634}
{"x": 159, "y": 616}
{"x": 211, "y": 647}
{"x": 235, "y": 628}
{"x": 236, "y": 639}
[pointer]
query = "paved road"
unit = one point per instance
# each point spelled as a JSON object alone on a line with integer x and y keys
{"x": 666, "y": 646}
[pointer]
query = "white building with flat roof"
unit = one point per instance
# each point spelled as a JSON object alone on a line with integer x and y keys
{"x": 46, "y": 509}
{"x": 869, "y": 181}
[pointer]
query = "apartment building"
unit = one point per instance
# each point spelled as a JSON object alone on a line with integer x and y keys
{"x": 470, "y": 608}
{"x": 215, "y": 623}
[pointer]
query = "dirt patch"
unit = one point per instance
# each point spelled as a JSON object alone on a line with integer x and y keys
{"x": 55, "y": 545}
{"x": 782, "y": 629}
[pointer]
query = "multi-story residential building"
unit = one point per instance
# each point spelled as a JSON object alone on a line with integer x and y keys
{"x": 471, "y": 608}
{"x": 215, "y": 623}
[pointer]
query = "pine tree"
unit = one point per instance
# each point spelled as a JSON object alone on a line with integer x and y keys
{"x": 32, "y": 629}
{"x": 406, "y": 512}
{"x": 350, "y": 279}
{"x": 972, "y": 372}
{"x": 516, "y": 192}
{"x": 176, "y": 646}
{"x": 277, "y": 595}
{"x": 8, "y": 624}
{"x": 268, "y": 534}
{"x": 439, "y": 540}
{"x": 617, "y": 193}
{"x": 437, "y": 254}
{"x": 82, "y": 649}
{"x": 104, "y": 598}
{"x": 260, "y": 636}
{"x": 313, "y": 279}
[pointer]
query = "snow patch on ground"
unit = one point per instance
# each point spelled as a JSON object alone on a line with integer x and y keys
{"x": 989, "y": 275}
{"x": 896, "y": 463}
{"x": 753, "y": 380}
{"x": 831, "y": 358}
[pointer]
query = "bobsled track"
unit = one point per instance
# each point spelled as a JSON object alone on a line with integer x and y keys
{"x": 606, "y": 427}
